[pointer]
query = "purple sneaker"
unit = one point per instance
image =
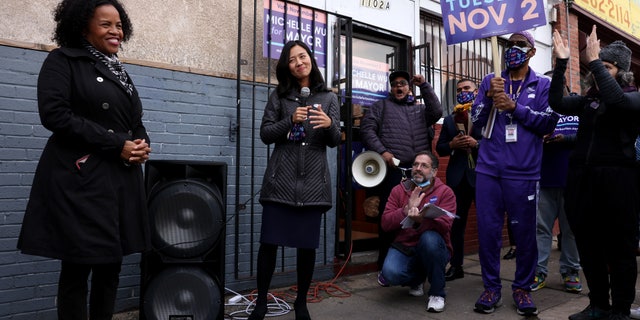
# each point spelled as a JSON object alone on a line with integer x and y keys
{"x": 524, "y": 303}
{"x": 381, "y": 281}
{"x": 488, "y": 302}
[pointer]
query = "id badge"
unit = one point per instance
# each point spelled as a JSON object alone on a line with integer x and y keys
{"x": 511, "y": 133}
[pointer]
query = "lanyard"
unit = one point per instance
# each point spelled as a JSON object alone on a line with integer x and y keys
{"x": 514, "y": 98}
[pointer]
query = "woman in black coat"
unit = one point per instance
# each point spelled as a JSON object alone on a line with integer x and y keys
{"x": 87, "y": 203}
{"x": 603, "y": 176}
{"x": 301, "y": 119}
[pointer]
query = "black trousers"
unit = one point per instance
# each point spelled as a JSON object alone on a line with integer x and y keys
{"x": 602, "y": 207}
{"x": 73, "y": 289}
{"x": 465, "y": 194}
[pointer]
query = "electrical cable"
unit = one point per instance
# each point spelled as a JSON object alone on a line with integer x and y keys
{"x": 278, "y": 306}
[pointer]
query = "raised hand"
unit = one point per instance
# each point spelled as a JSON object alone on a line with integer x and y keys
{"x": 560, "y": 46}
{"x": 593, "y": 46}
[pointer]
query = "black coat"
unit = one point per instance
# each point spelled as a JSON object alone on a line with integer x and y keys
{"x": 298, "y": 171}
{"x": 86, "y": 204}
{"x": 458, "y": 166}
{"x": 401, "y": 128}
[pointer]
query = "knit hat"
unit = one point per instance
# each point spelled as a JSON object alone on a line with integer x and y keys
{"x": 399, "y": 74}
{"x": 618, "y": 54}
{"x": 527, "y": 35}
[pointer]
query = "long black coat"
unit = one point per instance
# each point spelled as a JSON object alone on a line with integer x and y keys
{"x": 86, "y": 204}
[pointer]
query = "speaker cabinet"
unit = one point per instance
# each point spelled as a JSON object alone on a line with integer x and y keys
{"x": 182, "y": 277}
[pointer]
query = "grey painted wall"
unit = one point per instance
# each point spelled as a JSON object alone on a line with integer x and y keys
{"x": 188, "y": 117}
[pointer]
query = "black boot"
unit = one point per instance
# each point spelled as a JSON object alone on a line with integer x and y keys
{"x": 454, "y": 273}
{"x": 266, "y": 266}
{"x": 259, "y": 311}
{"x": 302, "y": 313}
{"x": 305, "y": 259}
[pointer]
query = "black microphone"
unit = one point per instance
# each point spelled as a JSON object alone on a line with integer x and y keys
{"x": 304, "y": 94}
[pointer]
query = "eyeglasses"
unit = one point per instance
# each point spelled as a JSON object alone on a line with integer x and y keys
{"x": 519, "y": 43}
{"x": 401, "y": 83}
{"x": 421, "y": 165}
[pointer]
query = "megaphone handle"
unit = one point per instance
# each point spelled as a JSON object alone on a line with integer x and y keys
{"x": 404, "y": 171}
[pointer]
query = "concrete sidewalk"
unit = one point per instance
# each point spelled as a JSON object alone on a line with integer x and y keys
{"x": 367, "y": 300}
{"x": 370, "y": 301}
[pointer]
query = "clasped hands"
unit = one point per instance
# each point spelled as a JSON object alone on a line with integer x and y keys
{"x": 463, "y": 141}
{"x": 316, "y": 116}
{"x": 136, "y": 151}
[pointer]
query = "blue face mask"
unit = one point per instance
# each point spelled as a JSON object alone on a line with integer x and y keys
{"x": 423, "y": 184}
{"x": 465, "y": 97}
{"x": 515, "y": 57}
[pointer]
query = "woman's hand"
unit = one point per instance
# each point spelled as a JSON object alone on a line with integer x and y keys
{"x": 318, "y": 118}
{"x": 593, "y": 46}
{"x": 300, "y": 115}
{"x": 560, "y": 46}
{"x": 136, "y": 151}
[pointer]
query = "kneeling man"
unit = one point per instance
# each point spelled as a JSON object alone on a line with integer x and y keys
{"x": 422, "y": 246}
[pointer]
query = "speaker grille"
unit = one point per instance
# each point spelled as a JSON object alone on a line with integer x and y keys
{"x": 186, "y": 218}
{"x": 184, "y": 293}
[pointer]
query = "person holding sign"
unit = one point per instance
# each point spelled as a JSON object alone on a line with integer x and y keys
{"x": 508, "y": 170}
{"x": 602, "y": 176}
{"x": 422, "y": 247}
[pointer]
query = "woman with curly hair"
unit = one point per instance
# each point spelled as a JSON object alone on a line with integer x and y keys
{"x": 87, "y": 203}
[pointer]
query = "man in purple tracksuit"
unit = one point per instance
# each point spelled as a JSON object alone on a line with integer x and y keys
{"x": 508, "y": 169}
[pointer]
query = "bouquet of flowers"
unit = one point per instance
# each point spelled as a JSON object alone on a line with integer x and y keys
{"x": 463, "y": 124}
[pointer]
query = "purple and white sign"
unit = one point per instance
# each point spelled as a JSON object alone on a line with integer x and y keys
{"x": 293, "y": 22}
{"x": 466, "y": 20}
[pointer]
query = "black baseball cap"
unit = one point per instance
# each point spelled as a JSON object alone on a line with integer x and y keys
{"x": 399, "y": 74}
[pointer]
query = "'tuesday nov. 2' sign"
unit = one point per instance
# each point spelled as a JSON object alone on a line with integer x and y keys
{"x": 466, "y": 20}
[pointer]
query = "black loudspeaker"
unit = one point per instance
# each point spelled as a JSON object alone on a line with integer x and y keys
{"x": 182, "y": 277}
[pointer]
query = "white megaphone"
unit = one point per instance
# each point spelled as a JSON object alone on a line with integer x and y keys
{"x": 369, "y": 169}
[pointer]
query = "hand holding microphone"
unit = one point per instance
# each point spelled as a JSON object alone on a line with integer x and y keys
{"x": 316, "y": 116}
{"x": 300, "y": 115}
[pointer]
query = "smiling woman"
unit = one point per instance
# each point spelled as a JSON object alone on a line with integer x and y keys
{"x": 87, "y": 204}
{"x": 295, "y": 191}
{"x": 104, "y": 31}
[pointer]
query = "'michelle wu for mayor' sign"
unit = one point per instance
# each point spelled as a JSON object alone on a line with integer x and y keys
{"x": 466, "y": 20}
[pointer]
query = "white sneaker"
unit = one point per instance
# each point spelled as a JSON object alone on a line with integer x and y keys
{"x": 435, "y": 304}
{"x": 417, "y": 291}
{"x": 635, "y": 313}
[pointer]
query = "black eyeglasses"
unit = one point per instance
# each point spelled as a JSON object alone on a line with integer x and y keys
{"x": 401, "y": 83}
{"x": 421, "y": 165}
{"x": 519, "y": 43}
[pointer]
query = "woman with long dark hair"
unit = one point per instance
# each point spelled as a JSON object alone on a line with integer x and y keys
{"x": 302, "y": 119}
